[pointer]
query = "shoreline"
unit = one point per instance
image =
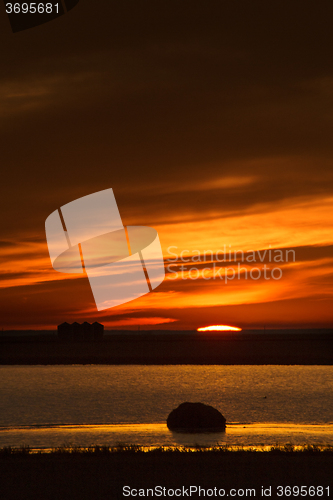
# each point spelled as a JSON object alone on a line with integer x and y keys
{"x": 287, "y": 448}
{"x": 173, "y": 348}
{"x": 237, "y": 435}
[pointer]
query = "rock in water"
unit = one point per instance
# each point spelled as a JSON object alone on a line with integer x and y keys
{"x": 196, "y": 417}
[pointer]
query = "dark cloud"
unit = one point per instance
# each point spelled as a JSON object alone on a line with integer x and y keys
{"x": 306, "y": 253}
{"x": 146, "y": 90}
{"x": 6, "y": 244}
{"x": 16, "y": 275}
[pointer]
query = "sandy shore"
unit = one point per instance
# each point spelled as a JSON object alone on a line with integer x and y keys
{"x": 103, "y": 475}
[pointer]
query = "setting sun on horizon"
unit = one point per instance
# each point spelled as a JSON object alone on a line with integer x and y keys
{"x": 219, "y": 328}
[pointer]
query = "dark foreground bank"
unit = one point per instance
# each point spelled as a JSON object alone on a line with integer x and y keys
{"x": 101, "y": 474}
{"x": 306, "y": 347}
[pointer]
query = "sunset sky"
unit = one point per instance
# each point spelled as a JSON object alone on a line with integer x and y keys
{"x": 212, "y": 121}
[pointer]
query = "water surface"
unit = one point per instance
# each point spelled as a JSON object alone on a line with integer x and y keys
{"x": 99, "y": 404}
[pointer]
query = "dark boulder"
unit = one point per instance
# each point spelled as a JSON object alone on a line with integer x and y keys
{"x": 196, "y": 417}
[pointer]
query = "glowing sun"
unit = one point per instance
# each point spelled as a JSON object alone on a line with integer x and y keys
{"x": 219, "y": 328}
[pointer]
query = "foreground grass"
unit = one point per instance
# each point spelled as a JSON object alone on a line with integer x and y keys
{"x": 136, "y": 449}
{"x": 101, "y": 472}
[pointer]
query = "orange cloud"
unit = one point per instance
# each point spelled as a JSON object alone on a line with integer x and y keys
{"x": 153, "y": 320}
{"x": 293, "y": 225}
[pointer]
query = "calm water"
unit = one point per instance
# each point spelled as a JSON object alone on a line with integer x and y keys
{"x": 47, "y": 406}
